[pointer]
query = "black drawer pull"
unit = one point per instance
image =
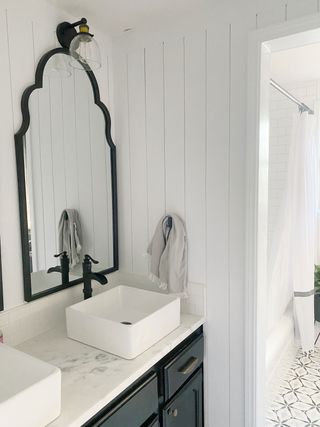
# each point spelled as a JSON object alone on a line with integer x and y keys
{"x": 173, "y": 412}
{"x": 189, "y": 366}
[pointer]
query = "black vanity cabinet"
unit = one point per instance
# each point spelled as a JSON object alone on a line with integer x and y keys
{"x": 168, "y": 395}
{"x": 185, "y": 409}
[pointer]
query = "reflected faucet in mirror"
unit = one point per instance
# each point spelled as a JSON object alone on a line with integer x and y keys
{"x": 89, "y": 275}
{"x": 63, "y": 268}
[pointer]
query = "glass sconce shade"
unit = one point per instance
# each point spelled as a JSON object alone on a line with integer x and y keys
{"x": 84, "y": 49}
{"x": 58, "y": 67}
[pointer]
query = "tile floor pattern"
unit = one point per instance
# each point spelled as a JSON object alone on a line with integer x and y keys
{"x": 297, "y": 403}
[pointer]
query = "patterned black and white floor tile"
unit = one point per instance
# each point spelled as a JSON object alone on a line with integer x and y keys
{"x": 297, "y": 403}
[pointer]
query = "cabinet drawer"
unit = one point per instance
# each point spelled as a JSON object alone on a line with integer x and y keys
{"x": 186, "y": 408}
{"x": 178, "y": 370}
{"x": 135, "y": 408}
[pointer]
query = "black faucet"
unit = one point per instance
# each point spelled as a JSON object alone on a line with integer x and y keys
{"x": 88, "y": 275}
{"x": 63, "y": 268}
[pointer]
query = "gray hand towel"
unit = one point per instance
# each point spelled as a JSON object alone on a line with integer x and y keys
{"x": 69, "y": 231}
{"x": 169, "y": 257}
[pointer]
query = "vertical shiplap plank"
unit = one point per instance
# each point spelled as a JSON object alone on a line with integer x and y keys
{"x": 155, "y": 142}
{"x": 195, "y": 154}
{"x": 70, "y": 142}
{"x": 136, "y": 99}
{"x": 9, "y": 219}
{"x": 45, "y": 138}
{"x": 298, "y": 8}
{"x": 86, "y": 207}
{"x": 20, "y": 46}
{"x": 106, "y": 94}
{"x": 270, "y": 12}
{"x": 122, "y": 120}
{"x": 218, "y": 323}
{"x": 58, "y": 156}
{"x": 174, "y": 105}
{"x": 100, "y": 194}
{"x": 40, "y": 152}
{"x": 35, "y": 187}
{"x": 238, "y": 92}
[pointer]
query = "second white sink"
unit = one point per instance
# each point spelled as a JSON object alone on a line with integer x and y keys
{"x": 124, "y": 321}
{"x": 30, "y": 390}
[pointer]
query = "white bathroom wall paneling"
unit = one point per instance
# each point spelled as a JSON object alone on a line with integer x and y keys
{"x": 217, "y": 207}
{"x": 237, "y": 206}
{"x": 70, "y": 142}
{"x": 46, "y": 112}
{"x": 155, "y": 138}
{"x": 83, "y": 157}
{"x": 195, "y": 152}
{"x": 104, "y": 76}
{"x": 34, "y": 174}
{"x": 138, "y": 156}
{"x": 123, "y": 162}
{"x": 9, "y": 222}
{"x": 101, "y": 191}
{"x": 167, "y": 172}
{"x": 298, "y": 8}
{"x": 174, "y": 119}
{"x": 21, "y": 55}
{"x": 270, "y": 12}
{"x": 57, "y": 154}
{"x": 47, "y": 173}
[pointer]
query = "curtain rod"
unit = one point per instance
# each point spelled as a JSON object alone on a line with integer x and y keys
{"x": 302, "y": 107}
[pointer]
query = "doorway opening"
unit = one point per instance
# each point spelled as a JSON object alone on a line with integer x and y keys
{"x": 283, "y": 381}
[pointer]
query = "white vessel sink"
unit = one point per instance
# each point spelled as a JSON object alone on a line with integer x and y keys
{"x": 30, "y": 390}
{"x": 124, "y": 321}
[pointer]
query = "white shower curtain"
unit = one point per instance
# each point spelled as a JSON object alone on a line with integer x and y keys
{"x": 292, "y": 254}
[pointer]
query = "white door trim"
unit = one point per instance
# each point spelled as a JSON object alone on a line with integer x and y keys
{"x": 256, "y": 214}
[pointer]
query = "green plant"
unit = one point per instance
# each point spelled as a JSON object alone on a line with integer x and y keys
{"x": 317, "y": 279}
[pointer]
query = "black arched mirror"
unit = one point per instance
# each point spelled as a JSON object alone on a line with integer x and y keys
{"x": 66, "y": 165}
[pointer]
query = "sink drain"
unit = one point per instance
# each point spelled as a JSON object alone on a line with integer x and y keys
{"x": 126, "y": 323}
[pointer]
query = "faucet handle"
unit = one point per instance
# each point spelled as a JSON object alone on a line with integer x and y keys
{"x": 88, "y": 258}
{"x": 64, "y": 253}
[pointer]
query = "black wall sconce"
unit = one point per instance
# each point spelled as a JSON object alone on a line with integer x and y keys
{"x": 82, "y": 46}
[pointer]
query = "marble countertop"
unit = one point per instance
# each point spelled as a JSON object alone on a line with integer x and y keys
{"x": 92, "y": 378}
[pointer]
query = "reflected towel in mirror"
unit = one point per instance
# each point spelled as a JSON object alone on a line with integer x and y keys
{"x": 169, "y": 255}
{"x": 69, "y": 231}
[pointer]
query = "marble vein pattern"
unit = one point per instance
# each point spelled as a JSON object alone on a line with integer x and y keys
{"x": 92, "y": 378}
{"x": 297, "y": 401}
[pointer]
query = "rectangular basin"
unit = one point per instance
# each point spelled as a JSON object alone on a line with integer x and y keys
{"x": 30, "y": 390}
{"x": 124, "y": 321}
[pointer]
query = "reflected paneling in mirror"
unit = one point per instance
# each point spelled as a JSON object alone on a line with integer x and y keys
{"x": 1, "y": 283}
{"x": 68, "y": 164}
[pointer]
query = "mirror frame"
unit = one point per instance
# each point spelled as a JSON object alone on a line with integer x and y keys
{"x": 20, "y": 162}
{"x": 1, "y": 283}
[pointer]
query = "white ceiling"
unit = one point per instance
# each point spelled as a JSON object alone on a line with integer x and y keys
{"x": 114, "y": 16}
{"x": 297, "y": 64}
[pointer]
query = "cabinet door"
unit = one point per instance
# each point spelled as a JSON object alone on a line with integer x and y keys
{"x": 186, "y": 408}
{"x": 153, "y": 422}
